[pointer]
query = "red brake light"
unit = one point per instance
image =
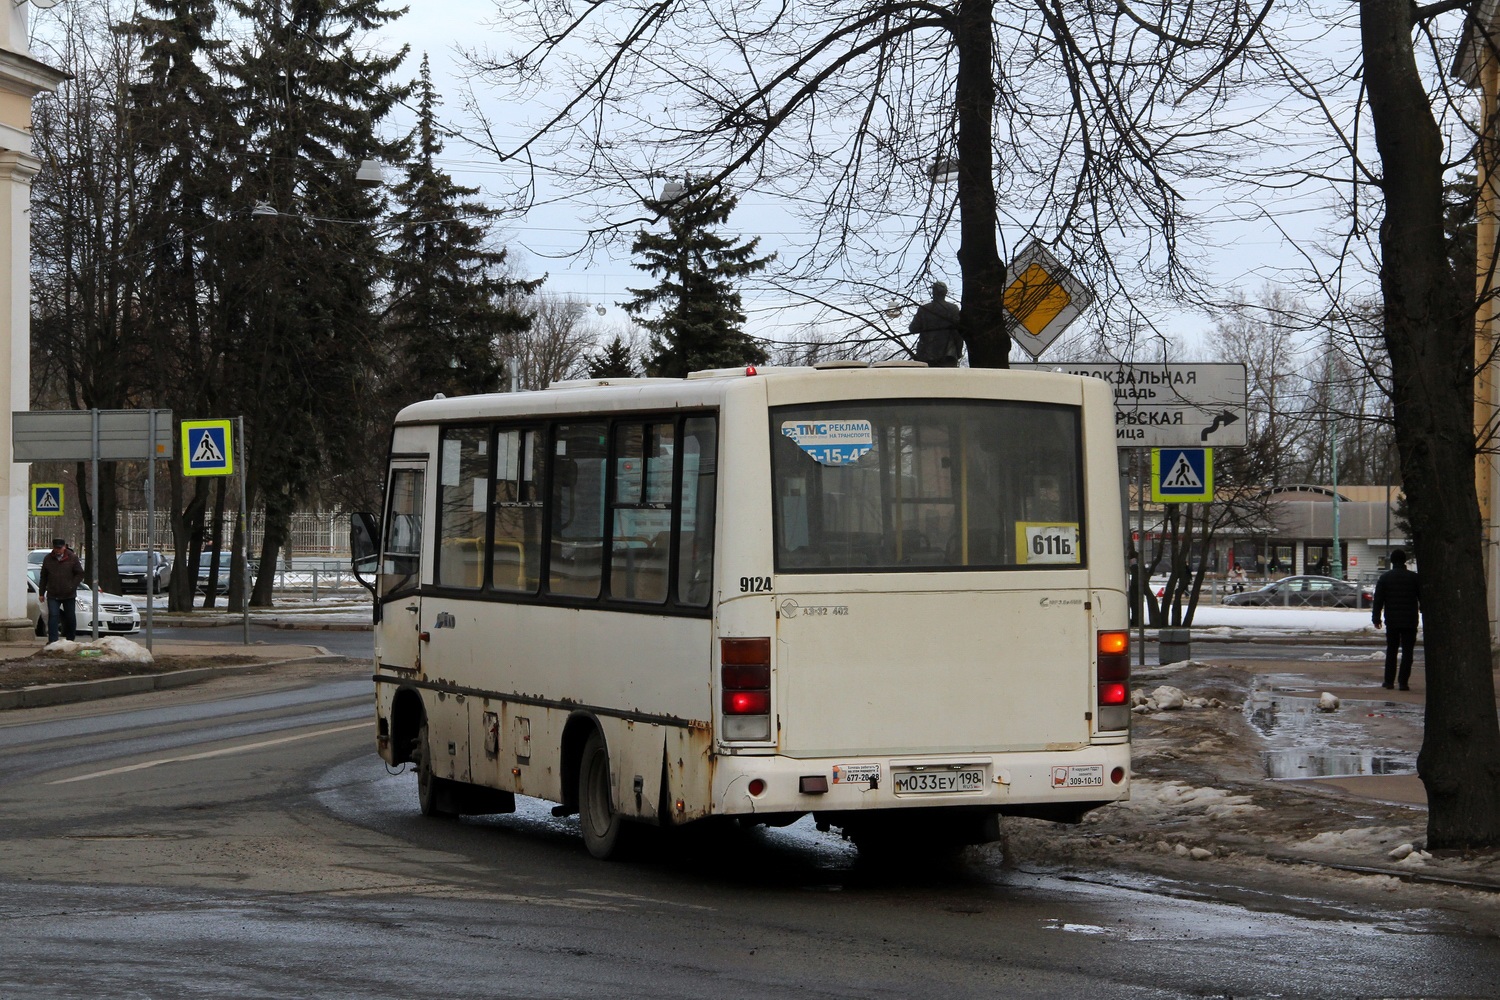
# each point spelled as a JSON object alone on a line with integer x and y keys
{"x": 745, "y": 670}
{"x": 1113, "y": 693}
{"x": 1113, "y": 670}
{"x": 747, "y": 702}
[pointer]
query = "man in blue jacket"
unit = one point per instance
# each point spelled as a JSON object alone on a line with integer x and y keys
{"x": 1399, "y": 597}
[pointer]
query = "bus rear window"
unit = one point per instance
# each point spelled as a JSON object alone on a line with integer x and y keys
{"x": 931, "y": 485}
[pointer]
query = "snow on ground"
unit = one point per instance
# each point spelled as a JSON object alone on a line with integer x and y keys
{"x": 1218, "y": 619}
{"x": 110, "y": 649}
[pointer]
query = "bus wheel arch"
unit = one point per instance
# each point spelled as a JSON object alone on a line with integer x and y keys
{"x": 407, "y": 717}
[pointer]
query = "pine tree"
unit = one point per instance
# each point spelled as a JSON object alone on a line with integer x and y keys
{"x": 694, "y": 314}
{"x": 180, "y": 123}
{"x": 449, "y": 296}
{"x": 309, "y": 97}
{"x": 612, "y": 361}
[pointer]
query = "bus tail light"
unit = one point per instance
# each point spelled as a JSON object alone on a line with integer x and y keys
{"x": 1114, "y": 680}
{"x": 745, "y": 673}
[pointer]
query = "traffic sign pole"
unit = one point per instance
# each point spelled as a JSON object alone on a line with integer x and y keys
{"x": 239, "y": 432}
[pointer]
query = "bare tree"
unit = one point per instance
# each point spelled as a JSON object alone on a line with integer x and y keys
{"x": 1072, "y": 124}
{"x": 556, "y": 346}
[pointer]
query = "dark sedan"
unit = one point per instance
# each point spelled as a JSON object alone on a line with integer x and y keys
{"x": 133, "y": 575}
{"x": 1306, "y": 592}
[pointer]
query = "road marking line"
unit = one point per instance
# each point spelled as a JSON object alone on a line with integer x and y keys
{"x": 223, "y": 752}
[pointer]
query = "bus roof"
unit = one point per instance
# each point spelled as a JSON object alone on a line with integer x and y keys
{"x": 700, "y": 388}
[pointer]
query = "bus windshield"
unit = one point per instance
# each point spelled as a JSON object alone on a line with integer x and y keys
{"x": 927, "y": 485}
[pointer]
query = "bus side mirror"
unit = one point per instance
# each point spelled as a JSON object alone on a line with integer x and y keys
{"x": 363, "y": 550}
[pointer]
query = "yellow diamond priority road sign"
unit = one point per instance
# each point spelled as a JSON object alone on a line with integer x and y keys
{"x": 1041, "y": 299}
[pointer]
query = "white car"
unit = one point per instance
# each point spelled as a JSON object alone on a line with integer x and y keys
{"x": 117, "y": 615}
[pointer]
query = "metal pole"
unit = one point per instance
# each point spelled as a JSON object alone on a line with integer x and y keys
{"x": 239, "y": 434}
{"x": 1338, "y": 560}
{"x": 94, "y": 535}
{"x": 1140, "y": 557}
{"x": 150, "y": 522}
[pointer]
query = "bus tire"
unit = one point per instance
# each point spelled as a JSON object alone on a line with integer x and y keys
{"x": 602, "y": 826}
{"x": 432, "y": 791}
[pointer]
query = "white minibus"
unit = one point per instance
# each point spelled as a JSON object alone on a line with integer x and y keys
{"x": 890, "y": 596}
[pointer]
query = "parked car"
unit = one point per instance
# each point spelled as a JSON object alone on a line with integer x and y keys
{"x": 205, "y": 565}
{"x": 132, "y": 566}
{"x": 35, "y": 556}
{"x": 117, "y": 615}
{"x": 1306, "y": 592}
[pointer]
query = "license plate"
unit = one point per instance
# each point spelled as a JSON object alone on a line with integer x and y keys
{"x": 123, "y": 621}
{"x": 850, "y": 774}
{"x": 1078, "y": 776}
{"x": 938, "y": 781}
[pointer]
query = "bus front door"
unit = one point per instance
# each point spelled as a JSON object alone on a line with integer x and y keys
{"x": 398, "y": 589}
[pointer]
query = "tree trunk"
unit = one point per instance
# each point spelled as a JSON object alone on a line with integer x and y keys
{"x": 984, "y": 329}
{"x": 277, "y": 519}
{"x": 1429, "y": 332}
{"x": 187, "y": 542}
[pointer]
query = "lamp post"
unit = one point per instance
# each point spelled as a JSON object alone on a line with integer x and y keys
{"x": 1337, "y": 568}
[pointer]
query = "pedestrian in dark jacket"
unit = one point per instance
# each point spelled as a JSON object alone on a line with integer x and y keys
{"x": 1399, "y": 598}
{"x": 58, "y": 585}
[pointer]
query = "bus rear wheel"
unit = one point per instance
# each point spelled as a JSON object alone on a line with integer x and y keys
{"x": 432, "y": 791}
{"x": 604, "y": 829}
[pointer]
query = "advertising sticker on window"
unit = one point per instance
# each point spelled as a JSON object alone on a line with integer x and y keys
{"x": 832, "y": 442}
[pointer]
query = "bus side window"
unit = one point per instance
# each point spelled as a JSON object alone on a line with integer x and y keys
{"x": 642, "y": 517}
{"x": 403, "y": 533}
{"x": 695, "y": 544}
{"x": 516, "y": 554}
{"x": 463, "y": 501}
{"x": 577, "y": 510}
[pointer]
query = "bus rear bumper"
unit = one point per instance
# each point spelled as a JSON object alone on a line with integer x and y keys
{"x": 1028, "y": 783}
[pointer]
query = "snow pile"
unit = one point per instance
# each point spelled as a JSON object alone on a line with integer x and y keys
{"x": 1409, "y": 856}
{"x": 110, "y": 649}
{"x": 1394, "y": 844}
{"x": 1328, "y": 702}
{"x": 1179, "y": 800}
{"x": 1169, "y": 699}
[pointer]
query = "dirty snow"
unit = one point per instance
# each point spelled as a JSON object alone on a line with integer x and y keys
{"x": 112, "y": 649}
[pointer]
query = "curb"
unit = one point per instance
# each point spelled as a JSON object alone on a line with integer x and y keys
{"x": 42, "y": 695}
{"x": 284, "y": 624}
{"x": 1404, "y": 874}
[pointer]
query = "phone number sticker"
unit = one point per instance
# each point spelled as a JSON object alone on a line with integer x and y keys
{"x": 832, "y": 442}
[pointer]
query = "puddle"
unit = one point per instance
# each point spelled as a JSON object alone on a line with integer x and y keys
{"x": 1304, "y": 742}
{"x": 1301, "y": 764}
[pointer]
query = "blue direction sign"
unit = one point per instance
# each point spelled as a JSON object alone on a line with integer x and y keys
{"x": 1182, "y": 475}
{"x": 207, "y": 448}
{"x": 47, "y": 499}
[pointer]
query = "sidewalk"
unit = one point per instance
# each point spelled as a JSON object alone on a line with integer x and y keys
{"x": 208, "y": 659}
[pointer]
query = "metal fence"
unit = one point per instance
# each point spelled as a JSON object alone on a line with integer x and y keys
{"x": 313, "y": 535}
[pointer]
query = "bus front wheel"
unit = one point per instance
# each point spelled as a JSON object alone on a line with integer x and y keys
{"x": 432, "y": 791}
{"x": 602, "y": 826}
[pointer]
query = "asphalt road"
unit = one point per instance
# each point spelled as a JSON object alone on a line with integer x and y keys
{"x": 353, "y": 643}
{"x": 240, "y": 838}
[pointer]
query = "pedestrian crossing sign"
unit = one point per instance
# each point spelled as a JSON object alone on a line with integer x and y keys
{"x": 46, "y": 500}
{"x": 207, "y": 448}
{"x": 1182, "y": 475}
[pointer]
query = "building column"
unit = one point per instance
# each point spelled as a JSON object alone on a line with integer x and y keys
{"x": 21, "y": 79}
{"x": 16, "y": 171}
